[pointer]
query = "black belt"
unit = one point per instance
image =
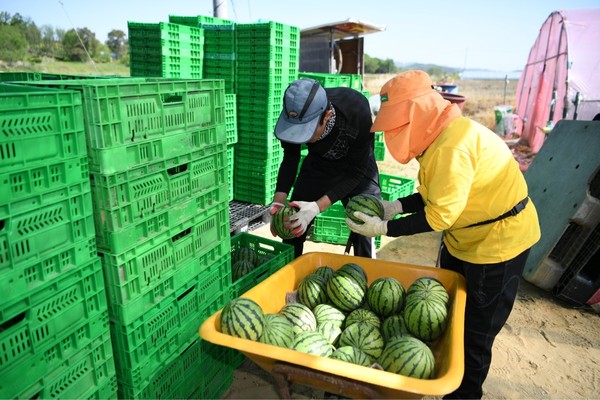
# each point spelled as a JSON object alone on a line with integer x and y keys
{"x": 513, "y": 211}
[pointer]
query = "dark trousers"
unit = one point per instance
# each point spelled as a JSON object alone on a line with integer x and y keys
{"x": 491, "y": 293}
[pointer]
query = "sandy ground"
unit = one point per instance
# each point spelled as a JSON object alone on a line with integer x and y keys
{"x": 547, "y": 349}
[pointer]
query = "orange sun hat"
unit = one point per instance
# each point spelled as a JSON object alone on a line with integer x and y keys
{"x": 412, "y": 114}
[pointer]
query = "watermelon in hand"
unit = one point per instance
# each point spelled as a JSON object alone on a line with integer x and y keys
{"x": 280, "y": 222}
{"x": 365, "y": 203}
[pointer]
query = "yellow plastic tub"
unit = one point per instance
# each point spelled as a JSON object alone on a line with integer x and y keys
{"x": 338, "y": 376}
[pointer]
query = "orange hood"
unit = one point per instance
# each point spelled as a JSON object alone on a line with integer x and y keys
{"x": 412, "y": 114}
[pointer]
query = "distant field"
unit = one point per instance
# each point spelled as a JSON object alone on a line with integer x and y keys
{"x": 481, "y": 95}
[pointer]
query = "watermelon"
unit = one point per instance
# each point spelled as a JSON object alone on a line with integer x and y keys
{"x": 277, "y": 331}
{"x": 352, "y": 355}
{"x": 312, "y": 290}
{"x": 324, "y": 271}
{"x": 385, "y": 296}
{"x": 357, "y": 271}
{"x": 366, "y": 203}
{"x": 279, "y": 222}
{"x": 408, "y": 356}
{"x": 312, "y": 343}
{"x": 363, "y": 315}
{"x": 393, "y": 326}
{"x": 427, "y": 287}
{"x": 426, "y": 318}
{"x": 328, "y": 313}
{"x": 244, "y": 253}
{"x": 345, "y": 291}
{"x": 365, "y": 337}
{"x": 241, "y": 268}
{"x": 264, "y": 259}
{"x": 301, "y": 317}
{"x": 243, "y": 318}
{"x": 331, "y": 331}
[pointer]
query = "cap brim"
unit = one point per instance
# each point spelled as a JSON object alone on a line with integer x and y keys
{"x": 391, "y": 116}
{"x": 295, "y": 133}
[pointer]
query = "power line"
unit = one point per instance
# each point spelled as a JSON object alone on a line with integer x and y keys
{"x": 77, "y": 33}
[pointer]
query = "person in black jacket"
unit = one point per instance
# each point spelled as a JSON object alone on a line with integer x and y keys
{"x": 335, "y": 125}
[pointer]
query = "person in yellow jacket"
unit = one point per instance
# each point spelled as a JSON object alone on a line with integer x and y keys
{"x": 471, "y": 189}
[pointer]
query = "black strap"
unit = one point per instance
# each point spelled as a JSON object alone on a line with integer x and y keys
{"x": 309, "y": 99}
{"x": 513, "y": 211}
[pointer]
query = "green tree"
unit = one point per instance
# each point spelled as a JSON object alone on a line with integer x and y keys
{"x": 14, "y": 45}
{"x": 79, "y": 45}
{"x": 117, "y": 43}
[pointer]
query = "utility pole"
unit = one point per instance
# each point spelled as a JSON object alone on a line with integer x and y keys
{"x": 220, "y": 9}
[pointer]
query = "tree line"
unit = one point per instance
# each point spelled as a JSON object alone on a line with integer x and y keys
{"x": 22, "y": 40}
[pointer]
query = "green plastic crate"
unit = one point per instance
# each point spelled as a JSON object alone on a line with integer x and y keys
{"x": 395, "y": 187}
{"x": 281, "y": 253}
{"x": 39, "y": 126}
{"x": 212, "y": 269}
{"x": 46, "y": 327}
{"x": 379, "y": 146}
{"x": 159, "y": 337}
{"x": 80, "y": 378}
{"x": 330, "y": 226}
{"x": 200, "y": 21}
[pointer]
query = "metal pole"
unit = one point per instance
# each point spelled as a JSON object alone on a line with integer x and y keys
{"x": 220, "y": 9}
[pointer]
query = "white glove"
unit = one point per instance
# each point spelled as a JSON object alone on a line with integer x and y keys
{"x": 373, "y": 226}
{"x": 391, "y": 209}
{"x": 306, "y": 213}
{"x": 275, "y": 206}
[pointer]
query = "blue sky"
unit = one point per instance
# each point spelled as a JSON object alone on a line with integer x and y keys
{"x": 494, "y": 35}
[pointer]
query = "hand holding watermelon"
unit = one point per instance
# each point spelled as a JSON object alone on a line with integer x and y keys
{"x": 391, "y": 209}
{"x": 307, "y": 212}
{"x": 370, "y": 226}
{"x": 275, "y": 206}
{"x": 280, "y": 223}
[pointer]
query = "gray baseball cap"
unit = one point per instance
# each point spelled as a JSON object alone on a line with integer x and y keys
{"x": 303, "y": 103}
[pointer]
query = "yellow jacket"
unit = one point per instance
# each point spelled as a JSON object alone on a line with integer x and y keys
{"x": 469, "y": 175}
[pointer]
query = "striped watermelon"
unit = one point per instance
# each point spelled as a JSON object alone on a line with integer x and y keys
{"x": 393, "y": 326}
{"x": 264, "y": 259}
{"x": 278, "y": 331}
{"x": 426, "y": 318}
{"x": 301, "y": 317}
{"x": 363, "y": 315}
{"x": 244, "y": 253}
{"x": 324, "y": 271}
{"x": 312, "y": 290}
{"x": 243, "y": 318}
{"x": 328, "y": 313}
{"x": 345, "y": 291}
{"x": 408, "y": 356}
{"x": 385, "y": 296}
{"x": 357, "y": 271}
{"x": 365, "y": 337}
{"x": 352, "y": 355}
{"x": 427, "y": 287}
{"x": 366, "y": 203}
{"x": 241, "y": 268}
{"x": 331, "y": 331}
{"x": 279, "y": 222}
{"x": 312, "y": 343}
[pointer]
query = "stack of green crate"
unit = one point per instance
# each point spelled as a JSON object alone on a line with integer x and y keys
{"x": 219, "y": 46}
{"x": 353, "y": 81}
{"x": 165, "y": 50}
{"x": 232, "y": 136}
{"x": 379, "y": 146}
{"x": 54, "y": 317}
{"x": 267, "y": 62}
{"x": 158, "y": 169}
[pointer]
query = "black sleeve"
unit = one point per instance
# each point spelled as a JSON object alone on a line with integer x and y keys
{"x": 412, "y": 204}
{"x": 409, "y": 225}
{"x": 288, "y": 168}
